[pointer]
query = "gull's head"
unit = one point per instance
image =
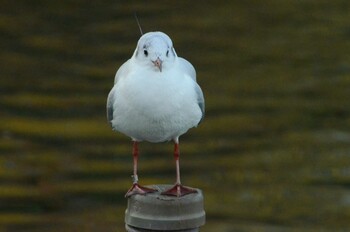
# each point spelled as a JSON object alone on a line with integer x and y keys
{"x": 155, "y": 50}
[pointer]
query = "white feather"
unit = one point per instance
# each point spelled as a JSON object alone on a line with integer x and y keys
{"x": 153, "y": 105}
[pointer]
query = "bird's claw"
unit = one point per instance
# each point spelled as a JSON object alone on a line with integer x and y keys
{"x": 138, "y": 189}
{"x": 178, "y": 191}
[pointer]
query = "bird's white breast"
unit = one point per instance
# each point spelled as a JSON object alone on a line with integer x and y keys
{"x": 155, "y": 106}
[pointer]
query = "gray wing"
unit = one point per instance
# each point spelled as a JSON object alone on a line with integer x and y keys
{"x": 122, "y": 72}
{"x": 200, "y": 100}
{"x": 188, "y": 67}
{"x": 110, "y": 101}
{"x": 189, "y": 70}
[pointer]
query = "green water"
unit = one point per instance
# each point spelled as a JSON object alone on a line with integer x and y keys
{"x": 273, "y": 153}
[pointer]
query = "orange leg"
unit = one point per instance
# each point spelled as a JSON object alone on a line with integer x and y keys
{"x": 178, "y": 189}
{"x": 136, "y": 188}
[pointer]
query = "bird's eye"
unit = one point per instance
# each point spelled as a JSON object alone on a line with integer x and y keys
{"x": 145, "y": 52}
{"x": 167, "y": 53}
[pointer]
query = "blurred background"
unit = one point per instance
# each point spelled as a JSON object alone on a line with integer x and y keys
{"x": 273, "y": 153}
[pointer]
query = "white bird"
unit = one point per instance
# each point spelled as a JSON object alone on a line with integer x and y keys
{"x": 155, "y": 98}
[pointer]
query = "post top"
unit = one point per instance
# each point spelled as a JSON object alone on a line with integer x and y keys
{"x": 161, "y": 212}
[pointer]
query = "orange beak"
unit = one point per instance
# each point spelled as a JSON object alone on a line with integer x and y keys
{"x": 158, "y": 63}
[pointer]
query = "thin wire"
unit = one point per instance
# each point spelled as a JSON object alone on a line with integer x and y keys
{"x": 138, "y": 23}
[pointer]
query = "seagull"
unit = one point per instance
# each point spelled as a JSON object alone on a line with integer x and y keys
{"x": 155, "y": 98}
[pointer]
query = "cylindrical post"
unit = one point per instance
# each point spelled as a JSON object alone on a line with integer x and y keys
{"x": 156, "y": 212}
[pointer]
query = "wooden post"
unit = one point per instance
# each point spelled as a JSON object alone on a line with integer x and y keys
{"x": 155, "y": 212}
